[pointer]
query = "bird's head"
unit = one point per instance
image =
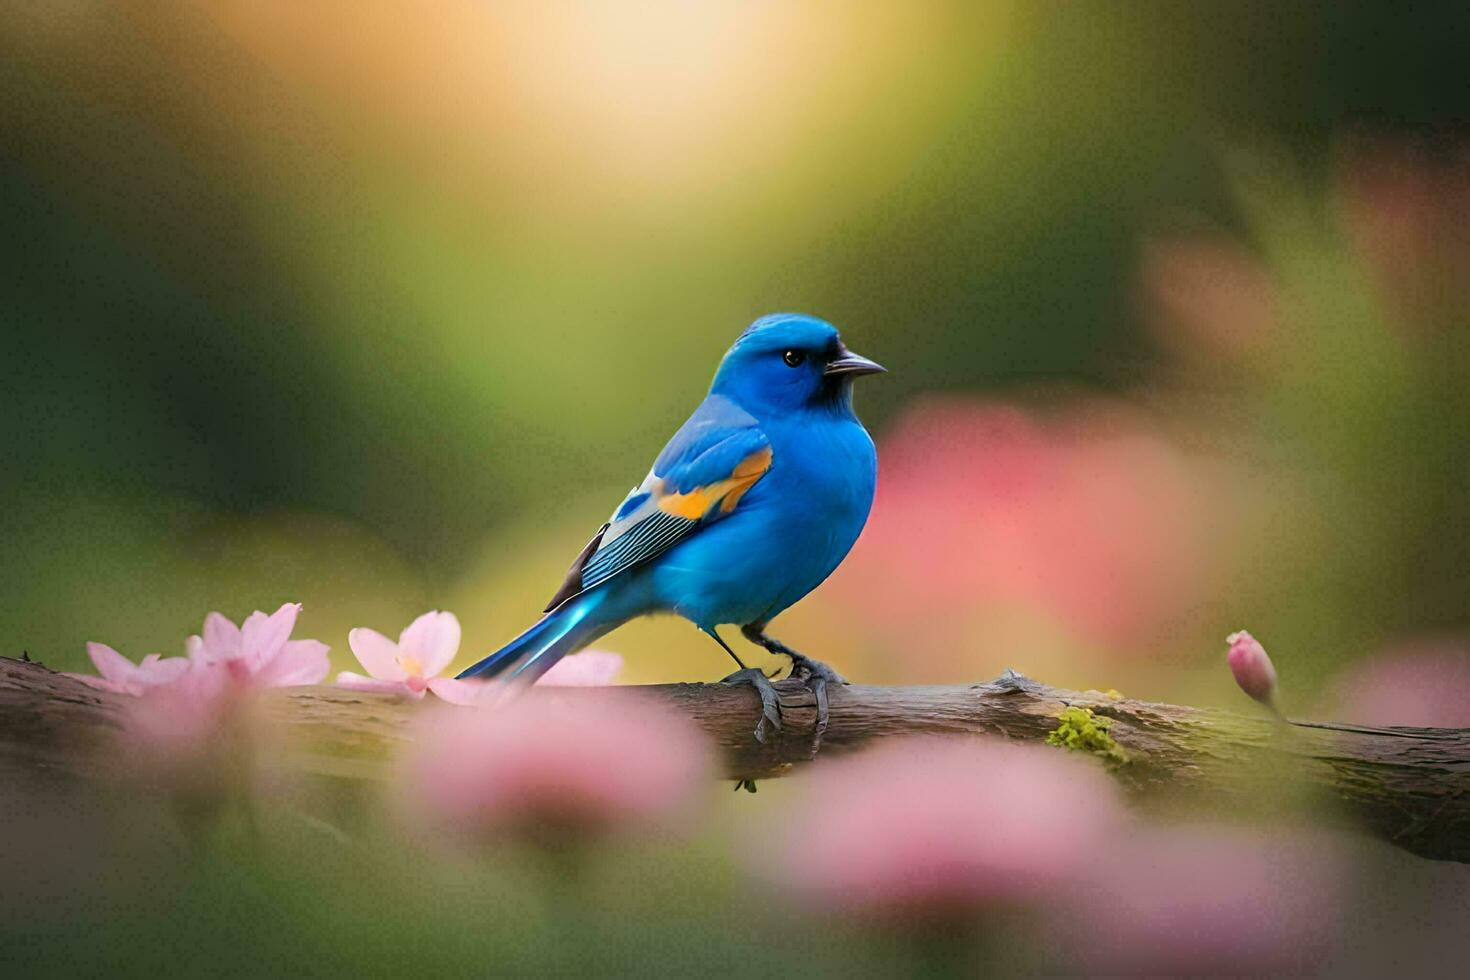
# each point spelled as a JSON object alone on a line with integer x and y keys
{"x": 790, "y": 361}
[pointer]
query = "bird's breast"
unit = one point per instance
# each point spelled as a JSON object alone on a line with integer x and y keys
{"x": 822, "y": 478}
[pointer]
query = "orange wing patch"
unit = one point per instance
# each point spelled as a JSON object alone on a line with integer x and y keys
{"x": 725, "y": 493}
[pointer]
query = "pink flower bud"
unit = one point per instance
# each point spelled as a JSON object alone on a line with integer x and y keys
{"x": 1251, "y": 667}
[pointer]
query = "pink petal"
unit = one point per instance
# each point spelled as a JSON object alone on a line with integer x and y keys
{"x": 113, "y": 666}
{"x": 203, "y": 682}
{"x": 263, "y": 636}
{"x": 357, "y": 682}
{"x": 250, "y": 626}
{"x": 460, "y": 692}
{"x": 155, "y": 670}
{"x": 377, "y": 654}
{"x": 300, "y": 662}
{"x": 433, "y": 638}
{"x": 590, "y": 668}
{"x": 221, "y": 638}
{"x": 194, "y": 647}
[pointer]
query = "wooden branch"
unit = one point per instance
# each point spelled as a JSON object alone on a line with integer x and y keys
{"x": 1410, "y": 786}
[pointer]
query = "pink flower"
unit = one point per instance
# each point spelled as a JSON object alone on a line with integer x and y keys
{"x": 261, "y": 650}
{"x": 1252, "y": 667}
{"x": 1206, "y": 296}
{"x": 940, "y": 826}
{"x": 429, "y": 644}
{"x": 1423, "y": 682}
{"x": 1191, "y": 900}
{"x": 121, "y": 676}
{"x": 555, "y": 764}
{"x": 413, "y": 664}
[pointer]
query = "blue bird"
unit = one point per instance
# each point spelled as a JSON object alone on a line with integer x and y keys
{"x": 753, "y": 503}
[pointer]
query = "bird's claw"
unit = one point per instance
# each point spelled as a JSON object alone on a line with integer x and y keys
{"x": 816, "y": 675}
{"x": 770, "y": 700}
{"x": 813, "y": 674}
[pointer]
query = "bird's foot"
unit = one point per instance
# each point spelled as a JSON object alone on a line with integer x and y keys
{"x": 770, "y": 700}
{"x": 746, "y": 784}
{"x": 815, "y": 675}
{"x": 804, "y": 668}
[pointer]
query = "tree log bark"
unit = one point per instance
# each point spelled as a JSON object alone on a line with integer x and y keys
{"x": 1410, "y": 786}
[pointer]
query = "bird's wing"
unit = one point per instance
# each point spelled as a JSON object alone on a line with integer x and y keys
{"x": 700, "y": 476}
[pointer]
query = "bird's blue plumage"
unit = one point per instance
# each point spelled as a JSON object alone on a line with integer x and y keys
{"x": 718, "y": 426}
{"x": 752, "y": 504}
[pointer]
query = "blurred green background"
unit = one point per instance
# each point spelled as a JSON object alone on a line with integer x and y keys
{"x": 382, "y": 309}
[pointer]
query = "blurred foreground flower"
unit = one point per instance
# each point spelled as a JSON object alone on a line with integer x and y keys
{"x": 552, "y": 768}
{"x": 121, "y": 676}
{"x": 187, "y": 730}
{"x": 1201, "y": 900}
{"x": 939, "y": 827}
{"x": 1252, "y": 668}
{"x": 429, "y": 644}
{"x": 1423, "y": 682}
{"x": 193, "y": 737}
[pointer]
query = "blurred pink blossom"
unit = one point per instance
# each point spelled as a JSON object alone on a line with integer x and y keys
{"x": 261, "y": 650}
{"x": 1252, "y": 667}
{"x": 551, "y": 764}
{"x": 1093, "y": 519}
{"x": 190, "y": 728}
{"x": 177, "y": 719}
{"x": 938, "y": 826}
{"x": 1203, "y": 900}
{"x": 1406, "y": 210}
{"x": 429, "y": 644}
{"x": 195, "y": 736}
{"x": 121, "y": 676}
{"x": 1423, "y": 682}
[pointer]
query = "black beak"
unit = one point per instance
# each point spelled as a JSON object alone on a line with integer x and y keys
{"x": 848, "y": 364}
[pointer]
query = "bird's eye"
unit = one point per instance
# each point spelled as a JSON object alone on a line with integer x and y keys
{"x": 794, "y": 358}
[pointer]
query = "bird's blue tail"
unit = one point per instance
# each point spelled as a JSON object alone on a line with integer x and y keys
{"x": 564, "y": 630}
